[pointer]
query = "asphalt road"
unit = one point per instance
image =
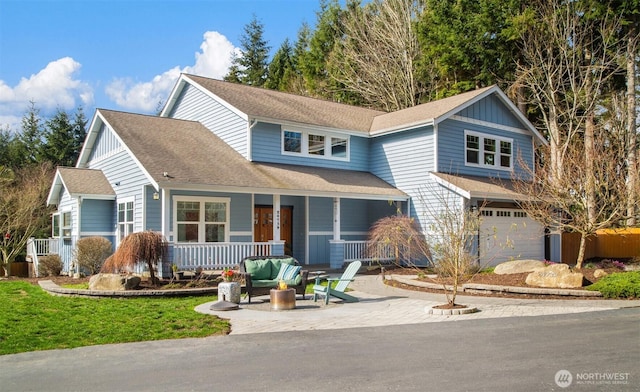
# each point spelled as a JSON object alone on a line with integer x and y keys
{"x": 600, "y": 351}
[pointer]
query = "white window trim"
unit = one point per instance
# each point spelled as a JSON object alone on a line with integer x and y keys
{"x": 201, "y": 223}
{"x": 125, "y": 200}
{"x": 60, "y": 216}
{"x": 482, "y": 136}
{"x": 304, "y": 147}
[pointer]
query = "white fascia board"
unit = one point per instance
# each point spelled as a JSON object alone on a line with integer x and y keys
{"x": 284, "y": 192}
{"x": 92, "y": 197}
{"x": 56, "y": 187}
{"x": 310, "y": 127}
{"x": 240, "y": 113}
{"x": 404, "y": 127}
{"x": 90, "y": 139}
{"x": 173, "y": 97}
{"x": 132, "y": 155}
{"x": 450, "y": 186}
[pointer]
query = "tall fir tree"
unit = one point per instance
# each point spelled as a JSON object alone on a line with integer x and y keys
{"x": 251, "y": 66}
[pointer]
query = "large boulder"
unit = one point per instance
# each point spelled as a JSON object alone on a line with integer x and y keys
{"x": 517, "y": 266}
{"x": 555, "y": 275}
{"x": 113, "y": 282}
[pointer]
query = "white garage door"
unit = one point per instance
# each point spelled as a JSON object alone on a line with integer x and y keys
{"x": 509, "y": 234}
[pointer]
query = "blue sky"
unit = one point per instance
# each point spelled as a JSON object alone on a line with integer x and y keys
{"x": 124, "y": 54}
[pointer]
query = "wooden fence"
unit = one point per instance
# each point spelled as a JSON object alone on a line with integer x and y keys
{"x": 606, "y": 243}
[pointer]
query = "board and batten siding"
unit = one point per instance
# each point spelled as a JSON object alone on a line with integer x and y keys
{"x": 105, "y": 146}
{"x": 266, "y": 146}
{"x": 195, "y": 105}
{"x": 452, "y": 156}
{"x": 491, "y": 109}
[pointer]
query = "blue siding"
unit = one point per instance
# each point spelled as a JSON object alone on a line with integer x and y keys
{"x": 319, "y": 252}
{"x": 195, "y": 105}
{"x": 153, "y": 210}
{"x": 122, "y": 169}
{"x": 266, "y": 141}
{"x": 321, "y": 214}
{"x": 491, "y": 109}
{"x": 97, "y": 217}
{"x": 404, "y": 160}
{"x": 451, "y": 149}
{"x": 105, "y": 145}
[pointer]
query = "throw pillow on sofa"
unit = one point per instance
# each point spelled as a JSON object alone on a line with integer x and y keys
{"x": 259, "y": 269}
{"x": 288, "y": 272}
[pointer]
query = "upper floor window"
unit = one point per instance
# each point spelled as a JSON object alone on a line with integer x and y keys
{"x": 201, "y": 219}
{"x": 488, "y": 151}
{"x": 315, "y": 144}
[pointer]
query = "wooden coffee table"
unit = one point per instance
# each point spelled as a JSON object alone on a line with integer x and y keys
{"x": 282, "y": 299}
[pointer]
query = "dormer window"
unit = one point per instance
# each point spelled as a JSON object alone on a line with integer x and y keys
{"x": 488, "y": 151}
{"x": 315, "y": 144}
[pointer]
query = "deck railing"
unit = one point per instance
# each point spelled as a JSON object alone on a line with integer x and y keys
{"x": 216, "y": 255}
{"x": 360, "y": 250}
{"x": 37, "y": 248}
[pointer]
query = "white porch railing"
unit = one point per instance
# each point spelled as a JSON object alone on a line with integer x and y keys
{"x": 360, "y": 250}
{"x": 49, "y": 246}
{"x": 217, "y": 255}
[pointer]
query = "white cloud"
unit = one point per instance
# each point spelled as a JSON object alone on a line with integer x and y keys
{"x": 212, "y": 61}
{"x": 51, "y": 88}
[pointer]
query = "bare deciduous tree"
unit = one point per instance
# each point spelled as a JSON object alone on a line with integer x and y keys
{"x": 451, "y": 236}
{"x": 563, "y": 202}
{"x": 376, "y": 58}
{"x": 568, "y": 56}
{"x": 22, "y": 195}
{"x": 402, "y": 234}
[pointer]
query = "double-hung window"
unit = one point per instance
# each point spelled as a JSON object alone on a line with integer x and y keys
{"x": 315, "y": 144}
{"x": 201, "y": 219}
{"x": 61, "y": 224}
{"x": 125, "y": 218}
{"x": 488, "y": 151}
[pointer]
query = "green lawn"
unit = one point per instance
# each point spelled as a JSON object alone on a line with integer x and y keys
{"x": 31, "y": 319}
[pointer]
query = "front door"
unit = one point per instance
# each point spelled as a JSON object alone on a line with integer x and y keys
{"x": 263, "y": 226}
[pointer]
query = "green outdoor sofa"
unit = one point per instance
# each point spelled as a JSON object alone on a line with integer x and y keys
{"x": 262, "y": 273}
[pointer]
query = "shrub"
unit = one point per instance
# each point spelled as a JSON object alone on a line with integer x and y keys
{"x": 91, "y": 252}
{"x": 49, "y": 265}
{"x": 618, "y": 285}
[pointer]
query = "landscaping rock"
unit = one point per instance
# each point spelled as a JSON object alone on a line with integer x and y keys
{"x": 555, "y": 275}
{"x": 113, "y": 282}
{"x": 599, "y": 273}
{"x": 517, "y": 266}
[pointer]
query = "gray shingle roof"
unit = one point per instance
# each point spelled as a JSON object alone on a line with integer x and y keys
{"x": 483, "y": 187}
{"x": 270, "y": 104}
{"x": 192, "y": 155}
{"x": 85, "y": 182}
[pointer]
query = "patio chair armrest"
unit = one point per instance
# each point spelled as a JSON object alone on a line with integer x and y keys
{"x": 247, "y": 279}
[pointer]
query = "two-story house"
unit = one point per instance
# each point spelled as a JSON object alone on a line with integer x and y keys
{"x": 228, "y": 170}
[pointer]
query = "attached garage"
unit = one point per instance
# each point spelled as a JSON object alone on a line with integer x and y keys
{"x": 508, "y": 234}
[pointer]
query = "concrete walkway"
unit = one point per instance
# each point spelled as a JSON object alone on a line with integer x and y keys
{"x": 383, "y": 305}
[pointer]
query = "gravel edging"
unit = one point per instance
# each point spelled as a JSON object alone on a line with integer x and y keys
{"x": 478, "y": 288}
{"x": 52, "y": 288}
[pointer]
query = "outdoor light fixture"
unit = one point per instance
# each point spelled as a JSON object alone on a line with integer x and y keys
{"x": 156, "y": 196}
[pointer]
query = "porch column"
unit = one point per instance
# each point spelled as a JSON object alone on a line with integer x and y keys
{"x": 276, "y": 217}
{"x": 336, "y": 246}
{"x": 336, "y": 218}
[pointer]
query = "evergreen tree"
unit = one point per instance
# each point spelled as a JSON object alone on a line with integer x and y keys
{"x": 251, "y": 66}
{"x": 60, "y": 141}
{"x": 79, "y": 127}
{"x": 281, "y": 68}
{"x": 29, "y": 143}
